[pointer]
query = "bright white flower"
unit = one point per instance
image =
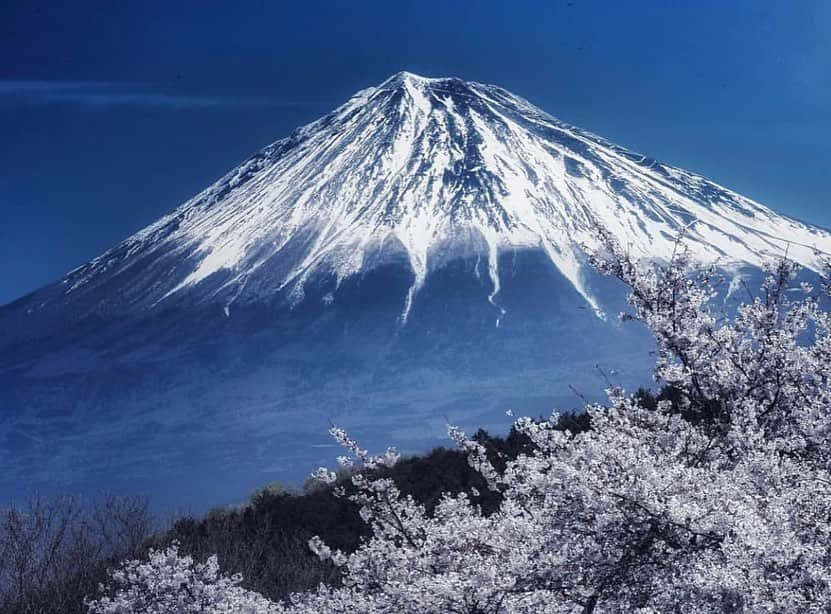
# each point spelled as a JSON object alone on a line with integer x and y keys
{"x": 324, "y": 475}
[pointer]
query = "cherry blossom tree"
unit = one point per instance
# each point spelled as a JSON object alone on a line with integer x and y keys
{"x": 716, "y": 502}
{"x": 170, "y": 583}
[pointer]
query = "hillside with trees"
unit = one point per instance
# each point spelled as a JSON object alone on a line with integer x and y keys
{"x": 710, "y": 496}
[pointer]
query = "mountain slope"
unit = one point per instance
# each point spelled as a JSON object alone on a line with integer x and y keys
{"x": 418, "y": 252}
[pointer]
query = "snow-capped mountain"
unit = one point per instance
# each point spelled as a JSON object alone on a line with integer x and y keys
{"x": 428, "y": 235}
{"x": 432, "y": 169}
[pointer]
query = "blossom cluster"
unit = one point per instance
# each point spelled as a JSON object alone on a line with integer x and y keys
{"x": 171, "y": 583}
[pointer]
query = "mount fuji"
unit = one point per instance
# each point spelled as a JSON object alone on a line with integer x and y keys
{"x": 417, "y": 255}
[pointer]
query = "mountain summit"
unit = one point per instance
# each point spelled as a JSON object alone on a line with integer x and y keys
{"x": 417, "y": 253}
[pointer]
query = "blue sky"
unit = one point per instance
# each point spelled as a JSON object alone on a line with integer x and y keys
{"x": 112, "y": 113}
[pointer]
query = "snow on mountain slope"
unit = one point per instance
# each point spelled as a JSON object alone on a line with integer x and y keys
{"x": 434, "y": 169}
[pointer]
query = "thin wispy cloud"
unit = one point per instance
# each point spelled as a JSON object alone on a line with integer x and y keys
{"x": 103, "y": 95}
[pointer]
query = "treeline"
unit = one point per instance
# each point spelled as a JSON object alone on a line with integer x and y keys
{"x": 55, "y": 552}
{"x": 267, "y": 540}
